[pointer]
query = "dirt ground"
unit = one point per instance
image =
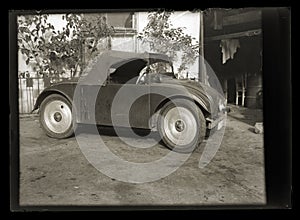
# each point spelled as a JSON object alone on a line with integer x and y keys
{"x": 55, "y": 172}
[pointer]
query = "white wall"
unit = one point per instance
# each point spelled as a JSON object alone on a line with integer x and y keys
{"x": 123, "y": 43}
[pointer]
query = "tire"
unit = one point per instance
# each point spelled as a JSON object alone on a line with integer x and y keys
{"x": 56, "y": 116}
{"x": 181, "y": 125}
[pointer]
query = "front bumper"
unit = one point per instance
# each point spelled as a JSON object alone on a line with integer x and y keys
{"x": 219, "y": 121}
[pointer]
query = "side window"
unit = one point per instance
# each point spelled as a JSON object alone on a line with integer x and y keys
{"x": 128, "y": 72}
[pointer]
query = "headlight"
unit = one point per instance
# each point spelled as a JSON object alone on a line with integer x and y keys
{"x": 221, "y": 106}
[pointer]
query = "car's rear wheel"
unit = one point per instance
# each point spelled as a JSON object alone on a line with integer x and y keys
{"x": 56, "y": 116}
{"x": 181, "y": 125}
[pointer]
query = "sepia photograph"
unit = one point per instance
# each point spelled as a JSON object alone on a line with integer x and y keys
{"x": 141, "y": 108}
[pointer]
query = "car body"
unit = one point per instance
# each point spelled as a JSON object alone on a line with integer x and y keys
{"x": 158, "y": 93}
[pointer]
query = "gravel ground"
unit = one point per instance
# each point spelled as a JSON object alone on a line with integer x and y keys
{"x": 55, "y": 172}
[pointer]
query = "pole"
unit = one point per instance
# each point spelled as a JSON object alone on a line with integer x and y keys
{"x": 202, "y": 69}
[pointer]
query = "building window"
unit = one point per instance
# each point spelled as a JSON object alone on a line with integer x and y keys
{"x": 121, "y": 20}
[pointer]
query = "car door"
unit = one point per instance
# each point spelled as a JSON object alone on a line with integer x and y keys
{"x": 128, "y": 104}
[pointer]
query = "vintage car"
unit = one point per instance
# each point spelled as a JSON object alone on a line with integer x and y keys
{"x": 183, "y": 111}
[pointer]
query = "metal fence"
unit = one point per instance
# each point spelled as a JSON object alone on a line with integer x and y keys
{"x": 30, "y": 88}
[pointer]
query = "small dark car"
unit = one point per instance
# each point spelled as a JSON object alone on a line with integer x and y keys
{"x": 183, "y": 111}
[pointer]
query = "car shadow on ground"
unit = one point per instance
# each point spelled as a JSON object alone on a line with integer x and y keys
{"x": 121, "y": 131}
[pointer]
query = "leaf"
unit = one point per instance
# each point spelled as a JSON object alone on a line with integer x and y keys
{"x": 27, "y": 38}
{"x": 67, "y": 32}
{"x": 24, "y": 29}
{"x": 27, "y": 61}
{"x": 25, "y": 51}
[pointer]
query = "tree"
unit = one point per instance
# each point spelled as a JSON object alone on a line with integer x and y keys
{"x": 32, "y": 37}
{"x": 162, "y": 37}
{"x": 52, "y": 52}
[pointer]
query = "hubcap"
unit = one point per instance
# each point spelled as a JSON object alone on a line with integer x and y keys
{"x": 180, "y": 126}
{"x": 57, "y": 116}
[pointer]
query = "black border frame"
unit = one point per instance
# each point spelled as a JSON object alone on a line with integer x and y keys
{"x": 276, "y": 25}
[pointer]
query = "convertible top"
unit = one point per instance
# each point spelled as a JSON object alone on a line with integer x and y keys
{"x": 97, "y": 70}
{"x": 121, "y": 57}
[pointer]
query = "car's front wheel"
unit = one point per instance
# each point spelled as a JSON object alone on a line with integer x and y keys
{"x": 181, "y": 125}
{"x": 56, "y": 116}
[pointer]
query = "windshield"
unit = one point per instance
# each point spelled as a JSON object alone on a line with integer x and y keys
{"x": 163, "y": 68}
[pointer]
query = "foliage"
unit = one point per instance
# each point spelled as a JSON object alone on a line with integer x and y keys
{"x": 162, "y": 37}
{"x": 53, "y": 52}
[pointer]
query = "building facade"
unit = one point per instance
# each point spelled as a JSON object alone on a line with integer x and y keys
{"x": 232, "y": 47}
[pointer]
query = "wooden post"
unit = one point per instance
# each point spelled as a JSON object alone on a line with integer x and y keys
{"x": 202, "y": 70}
{"x": 225, "y": 88}
{"x": 243, "y": 90}
{"x": 236, "y": 92}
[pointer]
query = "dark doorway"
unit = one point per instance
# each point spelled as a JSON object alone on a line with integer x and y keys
{"x": 231, "y": 90}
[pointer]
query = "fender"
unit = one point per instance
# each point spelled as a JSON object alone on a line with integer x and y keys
{"x": 65, "y": 89}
